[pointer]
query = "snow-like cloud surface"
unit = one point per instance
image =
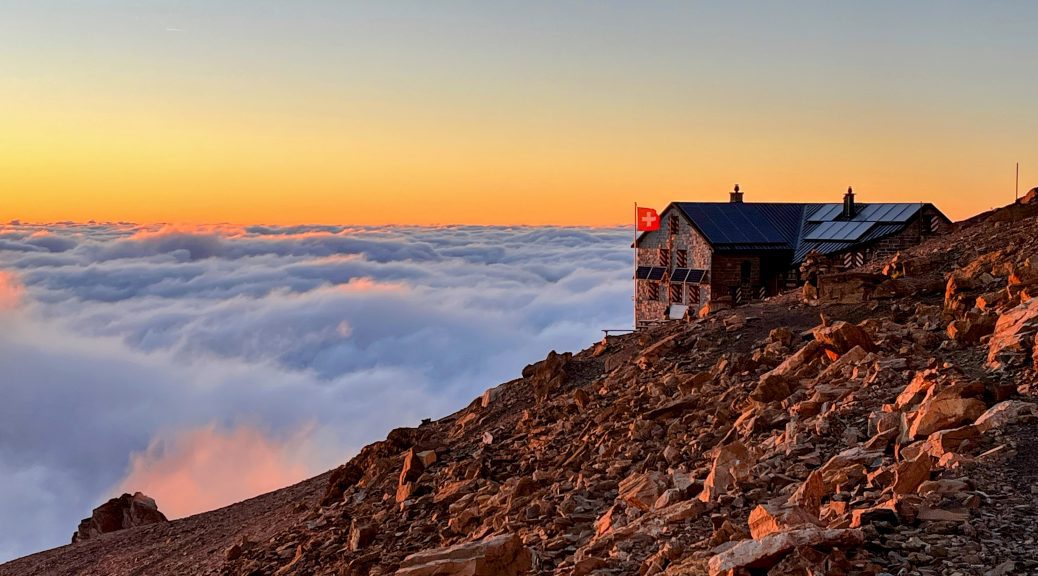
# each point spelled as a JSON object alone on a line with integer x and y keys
{"x": 165, "y": 359}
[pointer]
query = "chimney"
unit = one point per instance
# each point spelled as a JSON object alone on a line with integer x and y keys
{"x": 736, "y": 195}
{"x": 848, "y": 203}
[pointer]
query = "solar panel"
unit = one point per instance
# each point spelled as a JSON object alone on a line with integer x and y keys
{"x": 656, "y": 273}
{"x": 839, "y": 231}
{"x": 887, "y": 212}
{"x": 724, "y": 223}
{"x": 642, "y": 272}
{"x": 695, "y": 276}
{"x": 679, "y": 275}
{"x": 825, "y": 213}
{"x": 876, "y": 212}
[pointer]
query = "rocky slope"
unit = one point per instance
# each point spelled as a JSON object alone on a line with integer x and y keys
{"x": 891, "y": 436}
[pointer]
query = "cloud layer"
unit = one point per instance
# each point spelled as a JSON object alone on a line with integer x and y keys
{"x": 163, "y": 359}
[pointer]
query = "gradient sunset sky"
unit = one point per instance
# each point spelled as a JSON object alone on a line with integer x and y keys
{"x": 505, "y": 112}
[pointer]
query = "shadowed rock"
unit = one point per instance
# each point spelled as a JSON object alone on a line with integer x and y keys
{"x": 117, "y": 514}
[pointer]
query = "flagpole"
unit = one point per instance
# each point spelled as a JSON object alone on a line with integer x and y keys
{"x": 634, "y": 296}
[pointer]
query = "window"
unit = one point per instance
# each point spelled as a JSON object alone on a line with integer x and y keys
{"x": 682, "y": 259}
{"x": 674, "y": 223}
{"x": 654, "y": 291}
{"x": 675, "y": 293}
{"x": 665, "y": 257}
{"x": 745, "y": 271}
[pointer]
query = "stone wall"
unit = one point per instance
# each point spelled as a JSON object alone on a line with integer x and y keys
{"x": 726, "y": 273}
{"x": 675, "y": 234}
{"x": 684, "y": 237}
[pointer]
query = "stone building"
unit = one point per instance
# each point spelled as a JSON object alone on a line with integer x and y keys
{"x": 738, "y": 251}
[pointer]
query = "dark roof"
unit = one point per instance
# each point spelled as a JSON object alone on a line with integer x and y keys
{"x": 734, "y": 224}
{"x": 795, "y": 227}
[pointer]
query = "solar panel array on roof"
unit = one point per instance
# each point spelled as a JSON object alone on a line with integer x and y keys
{"x": 650, "y": 272}
{"x": 887, "y": 212}
{"x": 732, "y": 223}
{"x": 866, "y": 213}
{"x": 690, "y": 275}
{"x": 839, "y": 231}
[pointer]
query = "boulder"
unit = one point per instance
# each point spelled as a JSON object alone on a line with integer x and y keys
{"x": 1012, "y": 342}
{"x": 502, "y": 555}
{"x": 547, "y": 375}
{"x": 781, "y": 335}
{"x": 943, "y": 413}
{"x": 911, "y": 473}
{"x": 1005, "y": 413}
{"x": 848, "y": 287}
{"x": 342, "y": 479}
{"x": 120, "y": 513}
{"x": 772, "y": 388}
{"x": 884, "y": 512}
{"x": 841, "y": 337}
{"x": 916, "y": 390}
{"x": 768, "y": 551}
{"x": 790, "y": 366}
{"x": 642, "y": 490}
{"x": 731, "y": 464}
{"x": 361, "y": 535}
{"x": 810, "y": 493}
{"x": 972, "y": 328}
{"x": 944, "y": 442}
{"x": 412, "y": 468}
{"x": 768, "y": 519}
{"x": 847, "y": 466}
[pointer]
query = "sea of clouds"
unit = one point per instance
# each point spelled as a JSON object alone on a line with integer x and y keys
{"x": 207, "y": 365}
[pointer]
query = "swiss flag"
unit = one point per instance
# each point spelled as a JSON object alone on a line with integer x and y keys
{"x": 648, "y": 220}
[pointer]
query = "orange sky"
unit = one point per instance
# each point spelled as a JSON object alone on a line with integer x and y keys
{"x": 324, "y": 113}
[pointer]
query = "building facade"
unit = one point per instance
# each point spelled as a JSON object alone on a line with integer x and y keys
{"x": 738, "y": 251}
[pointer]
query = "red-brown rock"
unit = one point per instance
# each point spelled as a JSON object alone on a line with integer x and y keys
{"x": 768, "y": 519}
{"x": 841, "y": 337}
{"x": 120, "y": 513}
{"x": 642, "y": 490}
{"x": 769, "y": 550}
{"x": 731, "y": 464}
{"x": 1005, "y": 413}
{"x": 498, "y": 556}
{"x": 943, "y": 413}
{"x": 911, "y": 473}
{"x": 1013, "y": 340}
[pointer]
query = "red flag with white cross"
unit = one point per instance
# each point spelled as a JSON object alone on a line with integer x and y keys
{"x": 648, "y": 220}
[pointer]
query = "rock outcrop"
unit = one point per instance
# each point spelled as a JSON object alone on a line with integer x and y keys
{"x": 126, "y": 511}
